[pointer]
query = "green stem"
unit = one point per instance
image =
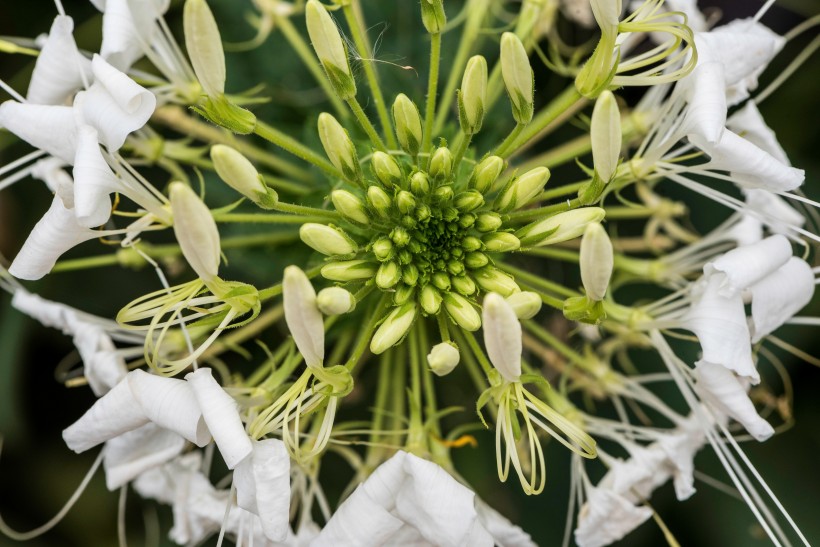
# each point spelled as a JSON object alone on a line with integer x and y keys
{"x": 473, "y": 369}
{"x": 296, "y": 148}
{"x": 415, "y": 439}
{"x": 263, "y": 218}
{"x": 562, "y": 190}
{"x": 365, "y": 335}
{"x": 270, "y": 364}
{"x": 624, "y": 212}
{"x": 432, "y": 89}
{"x": 379, "y": 408}
{"x": 567, "y": 101}
{"x": 552, "y": 252}
{"x": 463, "y": 144}
{"x": 504, "y": 146}
{"x": 538, "y": 281}
{"x": 360, "y": 39}
{"x": 543, "y": 212}
{"x": 305, "y": 210}
{"x": 477, "y": 351}
{"x": 559, "y": 346}
{"x": 365, "y": 124}
{"x": 443, "y": 328}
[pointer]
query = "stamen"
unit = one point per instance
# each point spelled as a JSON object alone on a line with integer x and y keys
{"x": 8, "y": 89}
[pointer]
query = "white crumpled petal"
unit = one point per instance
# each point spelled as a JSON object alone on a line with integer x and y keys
{"x": 744, "y": 266}
{"x": 93, "y": 181}
{"x": 303, "y": 316}
{"x": 639, "y": 475}
{"x": 503, "y": 532}
{"x": 779, "y": 216}
{"x": 748, "y": 122}
{"x": 407, "y": 492}
{"x": 103, "y": 367}
{"x": 221, "y": 414}
{"x": 49, "y": 170}
{"x": 133, "y": 453}
{"x": 720, "y": 324}
{"x": 606, "y": 517}
{"x": 50, "y": 128}
{"x": 779, "y": 296}
{"x": 159, "y": 483}
{"x": 722, "y": 390}
{"x": 680, "y": 448}
{"x": 55, "y": 233}
{"x": 58, "y": 72}
{"x": 502, "y": 336}
{"x": 262, "y": 483}
{"x": 125, "y": 30}
{"x": 706, "y": 113}
{"x": 132, "y": 98}
{"x": 50, "y": 314}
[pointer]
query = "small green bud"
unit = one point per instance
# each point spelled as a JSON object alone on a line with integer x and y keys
{"x": 204, "y": 45}
{"x": 441, "y": 280}
{"x": 518, "y": 77}
{"x": 406, "y": 202}
{"x": 560, "y": 227}
{"x": 471, "y": 243}
{"x": 240, "y": 174}
{"x": 422, "y": 212}
{"x": 462, "y": 312}
{"x": 388, "y": 275}
{"x": 430, "y": 299}
{"x": 410, "y": 275}
{"x": 383, "y": 248}
{"x": 420, "y": 184}
{"x": 379, "y": 201}
{"x": 349, "y": 206}
{"x": 492, "y": 279}
{"x": 328, "y": 240}
{"x": 220, "y": 111}
{"x": 501, "y": 242}
{"x": 394, "y": 328}
{"x": 386, "y": 169}
{"x": 585, "y": 310}
{"x": 443, "y": 194}
{"x": 407, "y": 119}
{"x": 403, "y": 294}
{"x": 443, "y": 358}
{"x": 399, "y": 236}
{"x": 335, "y": 301}
{"x": 525, "y": 304}
{"x": 523, "y": 189}
{"x": 466, "y": 220}
{"x": 330, "y": 49}
{"x": 488, "y": 222}
{"x": 473, "y": 95}
{"x": 339, "y": 148}
{"x": 596, "y": 261}
{"x": 469, "y": 200}
{"x": 405, "y": 256}
{"x": 486, "y": 173}
{"x": 433, "y": 16}
{"x": 464, "y": 285}
{"x": 441, "y": 163}
{"x": 475, "y": 260}
{"x": 455, "y": 267}
{"x": 605, "y": 133}
{"x": 349, "y": 270}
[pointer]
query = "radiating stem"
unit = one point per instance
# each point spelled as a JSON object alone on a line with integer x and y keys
{"x": 541, "y": 212}
{"x": 296, "y": 148}
{"x": 365, "y": 124}
{"x": 305, "y": 210}
{"x": 432, "y": 89}
{"x": 502, "y": 149}
{"x": 538, "y": 281}
{"x": 567, "y": 101}
{"x": 267, "y": 218}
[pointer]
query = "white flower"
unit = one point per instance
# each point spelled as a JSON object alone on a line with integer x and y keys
{"x": 262, "y": 482}
{"x": 93, "y": 181}
{"x": 606, "y": 517}
{"x": 128, "y": 32}
{"x": 50, "y": 128}
{"x": 746, "y": 265}
{"x": 131, "y": 454}
{"x": 60, "y": 70}
{"x": 780, "y": 295}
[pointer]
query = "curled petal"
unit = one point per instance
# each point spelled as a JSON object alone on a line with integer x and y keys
{"x": 131, "y": 454}
{"x": 746, "y": 265}
{"x": 706, "y": 115}
{"x": 93, "y": 181}
{"x": 780, "y": 217}
{"x": 779, "y": 296}
{"x": 132, "y": 98}
{"x": 606, "y": 517}
{"x": 502, "y": 336}
{"x": 59, "y": 69}
{"x": 50, "y": 314}
{"x": 126, "y": 30}
{"x": 748, "y": 121}
{"x": 102, "y": 366}
{"x": 52, "y": 129}
{"x": 263, "y": 486}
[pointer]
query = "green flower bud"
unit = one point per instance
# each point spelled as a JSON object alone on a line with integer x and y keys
{"x": 455, "y": 267}
{"x": 492, "y": 279}
{"x": 406, "y": 202}
{"x": 469, "y": 200}
{"x": 441, "y": 280}
{"x": 394, "y": 328}
{"x": 349, "y": 206}
{"x": 597, "y": 73}
{"x": 443, "y": 194}
{"x": 224, "y": 113}
{"x": 518, "y": 77}
{"x": 335, "y": 301}
{"x": 466, "y": 220}
{"x": 383, "y": 248}
{"x": 422, "y": 212}
{"x": 501, "y": 242}
{"x": 473, "y": 95}
{"x": 462, "y": 312}
{"x": 388, "y": 275}
{"x": 525, "y": 304}
{"x": 560, "y": 227}
{"x": 584, "y": 309}
{"x": 486, "y": 173}
{"x": 379, "y": 201}
{"x": 596, "y": 261}
{"x": 471, "y": 243}
{"x": 339, "y": 148}
{"x": 464, "y": 285}
{"x": 386, "y": 169}
{"x": 240, "y": 174}
{"x": 488, "y": 222}
{"x": 410, "y": 275}
{"x": 523, "y": 189}
{"x": 433, "y": 16}
{"x": 204, "y": 45}
{"x": 475, "y": 260}
{"x": 330, "y": 49}
{"x": 349, "y": 270}
{"x": 443, "y": 358}
{"x": 441, "y": 163}
{"x": 328, "y": 240}
{"x": 419, "y": 183}
{"x": 430, "y": 299}
{"x": 407, "y": 119}
{"x": 606, "y": 135}
{"x": 399, "y": 236}
{"x": 403, "y": 295}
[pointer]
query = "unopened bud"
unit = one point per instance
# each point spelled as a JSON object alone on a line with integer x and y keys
{"x": 492, "y": 279}
{"x": 335, "y": 301}
{"x": 475, "y": 260}
{"x": 433, "y": 16}
{"x": 403, "y": 294}
{"x": 501, "y": 242}
{"x": 240, "y": 174}
{"x": 523, "y": 189}
{"x": 196, "y": 231}
{"x": 408, "y": 124}
{"x": 560, "y": 227}
{"x": 419, "y": 183}
{"x": 488, "y": 222}
{"x": 406, "y": 202}
{"x": 430, "y": 299}
{"x": 386, "y": 169}
{"x": 525, "y": 304}
{"x": 597, "y": 73}
{"x": 204, "y": 45}
{"x": 469, "y": 200}
{"x": 473, "y": 95}
{"x": 349, "y": 270}
{"x": 399, "y": 236}
{"x": 379, "y": 201}
{"x": 388, "y": 275}
{"x": 596, "y": 260}
{"x": 349, "y": 206}
{"x": 394, "y": 328}
{"x": 410, "y": 275}
{"x": 330, "y": 49}
{"x": 486, "y": 173}
{"x": 606, "y": 135}
{"x": 518, "y": 77}
{"x": 328, "y": 240}
{"x": 383, "y": 248}
{"x": 464, "y": 285}
{"x": 441, "y": 164}
{"x": 443, "y": 358}
{"x": 471, "y": 243}
{"x": 339, "y": 148}
{"x": 462, "y": 312}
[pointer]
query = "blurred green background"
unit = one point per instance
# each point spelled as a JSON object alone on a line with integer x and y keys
{"x": 38, "y": 473}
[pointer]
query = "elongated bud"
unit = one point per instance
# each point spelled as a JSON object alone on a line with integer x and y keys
{"x": 561, "y": 227}
{"x": 441, "y": 164}
{"x": 379, "y": 201}
{"x": 486, "y": 173}
{"x": 403, "y": 294}
{"x": 303, "y": 317}
{"x": 464, "y": 284}
{"x": 433, "y": 16}
{"x": 420, "y": 183}
{"x": 525, "y": 304}
{"x": 473, "y": 95}
{"x": 606, "y": 135}
{"x": 240, "y": 174}
{"x": 339, "y": 148}
{"x": 388, "y": 275}
{"x": 599, "y": 70}
{"x": 386, "y": 169}
{"x": 523, "y": 189}
{"x": 502, "y": 337}
{"x": 501, "y": 242}
{"x": 335, "y": 301}
{"x": 349, "y": 206}
{"x": 469, "y": 201}
{"x": 475, "y": 260}
{"x": 204, "y": 45}
{"x": 462, "y": 312}
{"x": 443, "y": 358}
{"x": 349, "y": 270}
{"x": 518, "y": 77}
{"x": 488, "y": 222}
{"x": 406, "y": 202}
{"x": 330, "y": 49}
{"x": 394, "y": 328}
{"x": 195, "y": 230}
{"x": 408, "y": 124}
{"x": 383, "y": 248}
{"x": 430, "y": 299}
{"x": 596, "y": 261}
{"x": 492, "y": 279}
{"x": 328, "y": 240}
{"x": 443, "y": 194}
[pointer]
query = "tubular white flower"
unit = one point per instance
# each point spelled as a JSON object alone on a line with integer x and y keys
{"x": 60, "y": 68}
{"x": 303, "y": 317}
{"x": 93, "y": 181}
{"x": 131, "y": 454}
{"x": 780, "y": 295}
{"x": 52, "y": 129}
{"x": 196, "y": 231}
{"x": 221, "y": 415}
{"x": 607, "y": 517}
{"x": 706, "y": 93}
{"x": 502, "y": 336}
{"x": 128, "y": 27}
{"x": 262, "y": 483}
{"x": 746, "y": 265}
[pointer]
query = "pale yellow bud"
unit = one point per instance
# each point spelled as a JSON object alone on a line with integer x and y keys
{"x": 473, "y": 95}
{"x": 328, "y": 240}
{"x": 330, "y": 49}
{"x": 335, "y": 301}
{"x": 522, "y": 190}
{"x": 560, "y": 227}
{"x": 525, "y": 304}
{"x": 204, "y": 46}
{"x": 349, "y": 206}
{"x": 196, "y": 231}
{"x": 339, "y": 148}
{"x": 443, "y": 358}
{"x": 461, "y": 311}
{"x": 518, "y": 77}
{"x": 349, "y": 270}
{"x": 606, "y": 135}
{"x": 596, "y": 260}
{"x": 394, "y": 328}
{"x": 240, "y": 174}
{"x": 408, "y": 124}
